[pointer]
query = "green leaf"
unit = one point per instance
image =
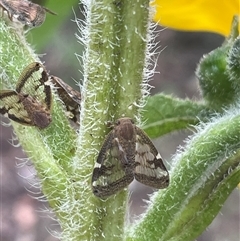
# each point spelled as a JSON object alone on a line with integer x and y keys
{"x": 164, "y": 114}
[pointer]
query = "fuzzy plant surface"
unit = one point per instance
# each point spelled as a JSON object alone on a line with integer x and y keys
{"x": 117, "y": 66}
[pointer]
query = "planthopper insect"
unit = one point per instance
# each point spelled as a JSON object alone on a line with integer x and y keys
{"x": 30, "y": 103}
{"x": 127, "y": 153}
{"x": 25, "y": 12}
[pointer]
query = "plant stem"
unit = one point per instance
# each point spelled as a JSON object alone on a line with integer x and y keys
{"x": 51, "y": 149}
{"x": 116, "y": 37}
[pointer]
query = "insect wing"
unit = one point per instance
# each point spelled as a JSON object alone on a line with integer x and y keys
{"x": 34, "y": 82}
{"x": 149, "y": 167}
{"x": 66, "y": 92}
{"x": 70, "y": 97}
{"x": 13, "y": 108}
{"x": 10, "y": 6}
{"x": 39, "y": 115}
{"x": 109, "y": 175}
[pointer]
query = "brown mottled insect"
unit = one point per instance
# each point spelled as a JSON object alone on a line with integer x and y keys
{"x": 127, "y": 153}
{"x": 25, "y": 12}
{"x": 70, "y": 97}
{"x": 30, "y": 103}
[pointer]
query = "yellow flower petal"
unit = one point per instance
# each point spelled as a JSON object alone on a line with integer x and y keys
{"x": 197, "y": 15}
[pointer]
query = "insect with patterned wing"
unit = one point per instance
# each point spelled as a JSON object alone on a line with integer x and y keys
{"x": 70, "y": 97}
{"x": 25, "y": 12}
{"x": 127, "y": 153}
{"x": 30, "y": 103}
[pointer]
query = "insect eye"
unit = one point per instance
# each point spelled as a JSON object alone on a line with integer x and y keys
{"x": 95, "y": 192}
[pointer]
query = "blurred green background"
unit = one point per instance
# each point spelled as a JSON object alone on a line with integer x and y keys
{"x": 55, "y": 40}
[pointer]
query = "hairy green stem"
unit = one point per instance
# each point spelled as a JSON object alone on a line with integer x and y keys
{"x": 117, "y": 35}
{"x": 51, "y": 149}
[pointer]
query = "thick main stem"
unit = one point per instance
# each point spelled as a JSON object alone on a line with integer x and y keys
{"x": 116, "y": 39}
